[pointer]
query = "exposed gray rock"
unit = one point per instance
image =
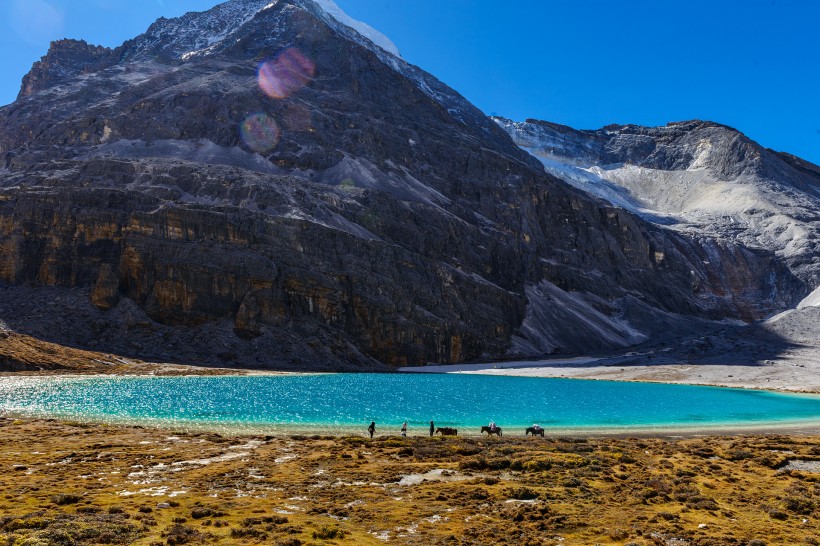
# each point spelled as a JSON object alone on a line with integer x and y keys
{"x": 697, "y": 177}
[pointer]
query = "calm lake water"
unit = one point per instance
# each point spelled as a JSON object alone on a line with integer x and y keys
{"x": 348, "y": 402}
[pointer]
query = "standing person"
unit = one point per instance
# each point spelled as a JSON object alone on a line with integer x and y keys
{"x": 404, "y": 429}
{"x": 372, "y": 428}
{"x": 432, "y": 428}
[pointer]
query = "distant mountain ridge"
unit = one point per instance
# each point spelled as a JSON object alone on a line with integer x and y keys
{"x": 265, "y": 185}
{"x": 694, "y": 176}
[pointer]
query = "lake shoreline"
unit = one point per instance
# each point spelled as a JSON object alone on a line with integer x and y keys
{"x": 795, "y": 429}
{"x": 754, "y": 377}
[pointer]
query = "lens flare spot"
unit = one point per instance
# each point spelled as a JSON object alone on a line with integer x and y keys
{"x": 284, "y": 75}
{"x": 260, "y": 132}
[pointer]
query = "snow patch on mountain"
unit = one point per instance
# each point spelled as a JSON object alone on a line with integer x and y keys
{"x": 592, "y": 181}
{"x": 812, "y": 300}
{"x": 330, "y": 7}
{"x": 696, "y": 177}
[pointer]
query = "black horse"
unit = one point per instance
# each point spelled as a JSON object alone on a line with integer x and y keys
{"x": 490, "y": 431}
{"x": 534, "y": 431}
{"x": 447, "y": 431}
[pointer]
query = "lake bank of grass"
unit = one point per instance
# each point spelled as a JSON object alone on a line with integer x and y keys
{"x": 77, "y": 483}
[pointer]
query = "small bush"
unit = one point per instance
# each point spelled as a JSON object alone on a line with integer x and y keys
{"x": 739, "y": 455}
{"x": 24, "y": 523}
{"x": 522, "y": 493}
{"x": 204, "y": 512}
{"x": 329, "y": 533}
{"x": 248, "y": 532}
{"x": 799, "y": 505}
{"x": 777, "y": 514}
{"x": 180, "y": 534}
{"x": 61, "y": 499}
{"x": 703, "y": 504}
{"x": 536, "y": 465}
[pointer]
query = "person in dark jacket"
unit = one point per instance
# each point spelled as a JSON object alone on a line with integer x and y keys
{"x": 432, "y": 428}
{"x": 372, "y": 428}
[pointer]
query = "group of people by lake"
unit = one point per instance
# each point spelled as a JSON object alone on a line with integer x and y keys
{"x": 372, "y": 428}
{"x": 492, "y": 427}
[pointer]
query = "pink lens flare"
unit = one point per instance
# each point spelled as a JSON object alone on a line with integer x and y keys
{"x": 260, "y": 132}
{"x": 282, "y": 76}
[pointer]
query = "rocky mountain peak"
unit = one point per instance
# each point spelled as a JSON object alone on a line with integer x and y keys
{"x": 65, "y": 59}
{"x": 192, "y": 35}
{"x": 198, "y": 34}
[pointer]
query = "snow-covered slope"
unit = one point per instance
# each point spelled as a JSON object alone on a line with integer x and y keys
{"x": 365, "y": 30}
{"x": 812, "y": 300}
{"x": 697, "y": 177}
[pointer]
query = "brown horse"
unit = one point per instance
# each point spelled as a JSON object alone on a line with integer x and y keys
{"x": 533, "y": 431}
{"x": 490, "y": 431}
{"x": 447, "y": 431}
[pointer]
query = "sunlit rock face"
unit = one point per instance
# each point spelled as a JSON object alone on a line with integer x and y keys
{"x": 262, "y": 185}
{"x": 695, "y": 177}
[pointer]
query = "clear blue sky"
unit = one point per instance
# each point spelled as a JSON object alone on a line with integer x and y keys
{"x": 751, "y": 64}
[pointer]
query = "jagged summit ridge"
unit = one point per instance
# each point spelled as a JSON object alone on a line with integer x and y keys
{"x": 201, "y": 33}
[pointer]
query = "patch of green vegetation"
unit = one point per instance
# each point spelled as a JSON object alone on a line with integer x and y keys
{"x": 326, "y": 532}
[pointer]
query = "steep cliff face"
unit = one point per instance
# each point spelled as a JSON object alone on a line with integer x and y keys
{"x": 288, "y": 176}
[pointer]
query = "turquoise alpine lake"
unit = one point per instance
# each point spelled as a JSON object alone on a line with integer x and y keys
{"x": 348, "y": 402}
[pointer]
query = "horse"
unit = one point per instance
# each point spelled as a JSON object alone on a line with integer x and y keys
{"x": 447, "y": 431}
{"x": 533, "y": 431}
{"x": 490, "y": 431}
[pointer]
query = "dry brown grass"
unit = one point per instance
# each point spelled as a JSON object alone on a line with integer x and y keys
{"x": 22, "y": 353}
{"x": 72, "y": 483}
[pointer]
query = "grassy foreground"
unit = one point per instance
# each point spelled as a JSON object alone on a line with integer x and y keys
{"x": 71, "y": 483}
